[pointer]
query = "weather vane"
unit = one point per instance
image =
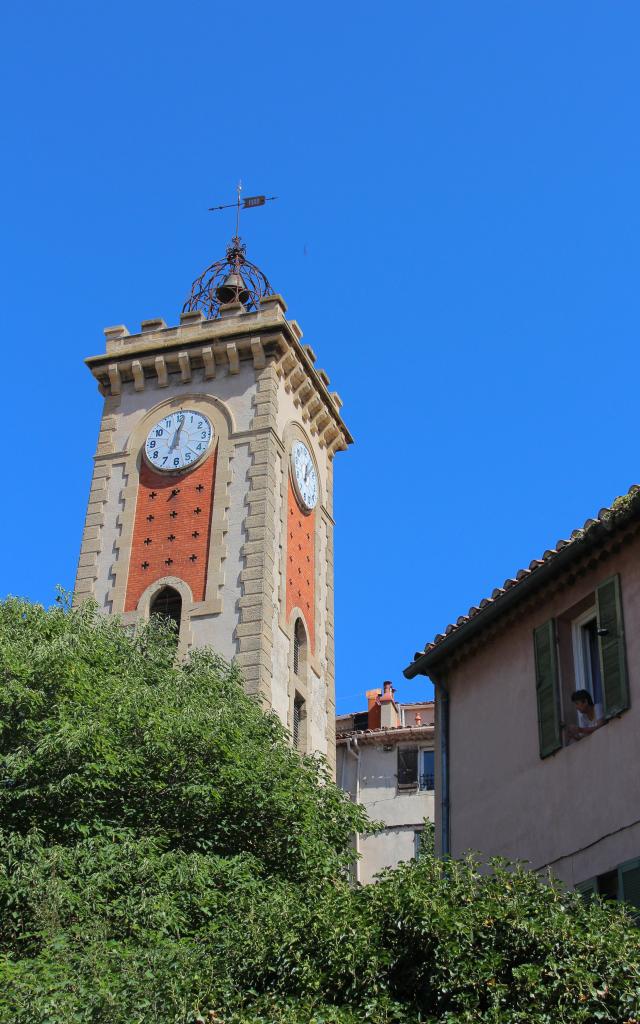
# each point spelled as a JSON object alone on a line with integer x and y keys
{"x": 234, "y": 279}
{"x": 243, "y": 204}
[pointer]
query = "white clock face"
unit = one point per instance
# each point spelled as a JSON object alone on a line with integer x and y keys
{"x": 304, "y": 475}
{"x": 178, "y": 441}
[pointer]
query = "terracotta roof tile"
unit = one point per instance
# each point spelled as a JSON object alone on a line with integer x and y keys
{"x": 397, "y": 732}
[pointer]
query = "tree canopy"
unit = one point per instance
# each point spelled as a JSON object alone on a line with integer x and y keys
{"x": 165, "y": 854}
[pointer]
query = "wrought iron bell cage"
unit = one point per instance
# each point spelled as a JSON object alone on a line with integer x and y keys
{"x": 233, "y": 279}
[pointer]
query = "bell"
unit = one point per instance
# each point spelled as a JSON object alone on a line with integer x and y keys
{"x": 233, "y": 289}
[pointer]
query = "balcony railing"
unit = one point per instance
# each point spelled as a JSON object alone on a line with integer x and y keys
{"x": 427, "y": 781}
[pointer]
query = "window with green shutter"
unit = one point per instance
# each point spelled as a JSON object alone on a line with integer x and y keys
{"x": 613, "y": 661}
{"x": 544, "y": 641}
{"x": 629, "y": 884}
{"x": 588, "y": 889}
{"x": 621, "y": 883}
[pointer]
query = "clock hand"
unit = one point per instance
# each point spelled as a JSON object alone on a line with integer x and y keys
{"x": 176, "y": 435}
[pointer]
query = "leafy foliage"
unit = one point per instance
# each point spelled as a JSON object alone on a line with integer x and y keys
{"x": 163, "y": 853}
{"x": 103, "y": 730}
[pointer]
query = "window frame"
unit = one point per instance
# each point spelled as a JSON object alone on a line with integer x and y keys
{"x": 582, "y": 674}
{"x": 176, "y": 599}
{"x": 421, "y": 774}
{"x": 408, "y": 787}
{"x": 591, "y": 887}
{"x": 299, "y": 723}
{"x": 562, "y": 664}
{"x": 300, "y": 643}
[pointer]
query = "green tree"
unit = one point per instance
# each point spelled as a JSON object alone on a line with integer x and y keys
{"x": 164, "y": 852}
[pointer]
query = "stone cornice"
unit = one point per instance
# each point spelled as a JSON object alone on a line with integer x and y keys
{"x": 217, "y": 346}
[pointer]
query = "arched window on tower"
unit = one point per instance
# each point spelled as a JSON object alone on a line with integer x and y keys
{"x": 299, "y": 649}
{"x": 298, "y": 721}
{"x": 168, "y": 604}
{"x": 298, "y": 710}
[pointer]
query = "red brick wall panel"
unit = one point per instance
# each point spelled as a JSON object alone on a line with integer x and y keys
{"x": 171, "y": 533}
{"x": 300, "y": 588}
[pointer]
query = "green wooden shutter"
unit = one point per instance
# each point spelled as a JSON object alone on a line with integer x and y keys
{"x": 544, "y": 642}
{"x": 613, "y": 662}
{"x": 588, "y": 889}
{"x": 629, "y": 884}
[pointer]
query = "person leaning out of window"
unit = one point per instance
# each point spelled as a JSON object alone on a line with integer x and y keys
{"x": 590, "y": 715}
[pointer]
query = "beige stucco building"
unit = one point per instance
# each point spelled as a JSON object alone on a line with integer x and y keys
{"x": 212, "y": 493}
{"x": 512, "y": 776}
{"x": 385, "y": 762}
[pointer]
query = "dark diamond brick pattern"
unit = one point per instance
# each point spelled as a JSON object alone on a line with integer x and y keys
{"x": 195, "y": 490}
{"x": 301, "y": 562}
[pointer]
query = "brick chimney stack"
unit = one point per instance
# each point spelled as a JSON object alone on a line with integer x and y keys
{"x": 389, "y": 714}
{"x": 373, "y": 708}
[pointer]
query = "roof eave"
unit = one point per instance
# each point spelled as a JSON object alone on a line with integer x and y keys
{"x": 428, "y": 663}
{"x": 387, "y": 736}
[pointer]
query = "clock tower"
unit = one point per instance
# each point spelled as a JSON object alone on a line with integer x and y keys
{"x": 212, "y": 493}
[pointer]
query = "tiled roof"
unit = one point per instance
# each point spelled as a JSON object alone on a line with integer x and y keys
{"x": 594, "y": 531}
{"x": 397, "y": 732}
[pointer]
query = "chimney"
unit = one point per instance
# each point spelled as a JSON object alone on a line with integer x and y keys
{"x": 371, "y": 696}
{"x": 373, "y": 708}
{"x": 389, "y": 717}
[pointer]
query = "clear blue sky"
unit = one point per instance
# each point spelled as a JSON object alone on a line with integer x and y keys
{"x": 457, "y": 233}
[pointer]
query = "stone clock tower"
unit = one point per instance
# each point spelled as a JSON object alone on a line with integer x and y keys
{"x": 212, "y": 493}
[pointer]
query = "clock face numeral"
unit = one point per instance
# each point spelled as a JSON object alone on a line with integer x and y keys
{"x": 304, "y": 475}
{"x": 178, "y": 441}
